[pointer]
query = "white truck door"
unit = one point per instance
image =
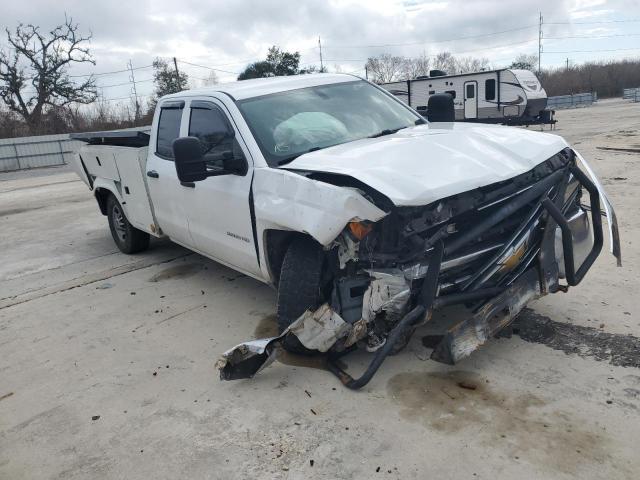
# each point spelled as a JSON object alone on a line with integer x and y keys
{"x": 471, "y": 99}
{"x": 219, "y": 211}
{"x": 167, "y": 194}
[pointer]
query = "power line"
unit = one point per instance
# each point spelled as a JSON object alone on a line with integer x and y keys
{"x": 208, "y": 68}
{"x": 592, "y": 51}
{"x": 125, "y": 83}
{"x": 118, "y": 98}
{"x": 594, "y": 22}
{"x": 594, "y": 36}
{"x": 429, "y": 41}
{"x": 108, "y": 73}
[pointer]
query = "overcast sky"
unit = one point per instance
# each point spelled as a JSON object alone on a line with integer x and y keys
{"x": 226, "y": 35}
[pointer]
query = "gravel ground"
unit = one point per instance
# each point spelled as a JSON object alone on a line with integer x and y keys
{"x": 107, "y": 360}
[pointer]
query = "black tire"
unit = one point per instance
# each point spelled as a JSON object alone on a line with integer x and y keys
{"x": 128, "y": 238}
{"x": 299, "y": 288}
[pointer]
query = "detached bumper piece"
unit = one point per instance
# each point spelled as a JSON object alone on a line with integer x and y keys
{"x": 465, "y": 337}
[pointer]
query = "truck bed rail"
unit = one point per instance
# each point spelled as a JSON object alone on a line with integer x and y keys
{"x": 122, "y": 138}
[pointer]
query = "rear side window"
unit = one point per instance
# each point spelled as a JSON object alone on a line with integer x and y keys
{"x": 490, "y": 89}
{"x": 168, "y": 131}
{"x": 206, "y": 124}
{"x": 452, "y": 93}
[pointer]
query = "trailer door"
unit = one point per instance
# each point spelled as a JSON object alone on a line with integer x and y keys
{"x": 470, "y": 100}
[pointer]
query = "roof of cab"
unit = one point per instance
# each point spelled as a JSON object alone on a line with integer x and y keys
{"x": 263, "y": 86}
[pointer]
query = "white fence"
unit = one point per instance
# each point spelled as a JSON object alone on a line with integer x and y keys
{"x": 572, "y": 101}
{"x": 631, "y": 94}
{"x": 34, "y": 152}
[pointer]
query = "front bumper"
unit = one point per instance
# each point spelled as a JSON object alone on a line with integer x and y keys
{"x": 545, "y": 236}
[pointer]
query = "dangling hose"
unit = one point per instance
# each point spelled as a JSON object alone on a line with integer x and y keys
{"x": 425, "y": 302}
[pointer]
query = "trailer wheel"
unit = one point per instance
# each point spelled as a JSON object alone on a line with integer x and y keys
{"x": 299, "y": 288}
{"x": 128, "y": 238}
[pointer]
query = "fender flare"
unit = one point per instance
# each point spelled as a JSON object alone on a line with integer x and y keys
{"x": 102, "y": 188}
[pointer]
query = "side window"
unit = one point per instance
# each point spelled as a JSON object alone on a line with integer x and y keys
{"x": 452, "y": 93}
{"x": 490, "y": 89}
{"x": 168, "y": 131}
{"x": 471, "y": 91}
{"x": 207, "y": 124}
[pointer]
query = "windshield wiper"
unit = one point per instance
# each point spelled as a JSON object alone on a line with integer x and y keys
{"x": 386, "y": 131}
{"x": 291, "y": 158}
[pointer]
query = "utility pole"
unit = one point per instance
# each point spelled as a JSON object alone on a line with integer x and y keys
{"x": 132, "y": 79}
{"x": 567, "y": 63}
{"x": 320, "y": 46}
{"x": 175, "y": 64}
{"x": 366, "y": 72}
{"x": 539, "y": 43}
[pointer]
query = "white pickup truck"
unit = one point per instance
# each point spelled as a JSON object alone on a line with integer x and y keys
{"x": 366, "y": 217}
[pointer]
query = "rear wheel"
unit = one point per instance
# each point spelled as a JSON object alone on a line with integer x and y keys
{"x": 299, "y": 288}
{"x": 128, "y": 238}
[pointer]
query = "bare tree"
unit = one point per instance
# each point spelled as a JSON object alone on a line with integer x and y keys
{"x": 525, "y": 61}
{"x": 471, "y": 64}
{"x": 446, "y": 61}
{"x": 211, "y": 80}
{"x": 385, "y": 68}
{"x": 33, "y": 73}
{"x": 416, "y": 67}
{"x": 607, "y": 78}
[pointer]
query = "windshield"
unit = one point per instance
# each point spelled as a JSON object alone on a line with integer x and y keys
{"x": 291, "y": 123}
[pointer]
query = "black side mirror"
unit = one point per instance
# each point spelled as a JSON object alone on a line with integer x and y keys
{"x": 190, "y": 164}
{"x": 440, "y": 108}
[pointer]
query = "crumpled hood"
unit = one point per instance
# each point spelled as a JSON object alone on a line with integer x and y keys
{"x": 422, "y": 164}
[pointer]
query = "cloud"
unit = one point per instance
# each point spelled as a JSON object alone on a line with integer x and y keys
{"x": 230, "y": 34}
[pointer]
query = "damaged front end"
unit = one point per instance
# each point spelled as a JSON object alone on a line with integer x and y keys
{"x": 491, "y": 250}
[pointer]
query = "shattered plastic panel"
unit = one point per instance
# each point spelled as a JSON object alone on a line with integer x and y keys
{"x": 317, "y": 330}
{"x": 389, "y": 292}
{"x": 247, "y": 359}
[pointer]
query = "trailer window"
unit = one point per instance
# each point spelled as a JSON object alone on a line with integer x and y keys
{"x": 471, "y": 90}
{"x": 168, "y": 131}
{"x": 490, "y": 89}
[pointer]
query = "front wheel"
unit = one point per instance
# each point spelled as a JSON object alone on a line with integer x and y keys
{"x": 128, "y": 238}
{"x": 299, "y": 288}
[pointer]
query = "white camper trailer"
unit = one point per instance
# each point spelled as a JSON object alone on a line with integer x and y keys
{"x": 509, "y": 96}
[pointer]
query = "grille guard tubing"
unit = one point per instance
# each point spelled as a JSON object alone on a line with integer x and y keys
{"x": 574, "y": 276}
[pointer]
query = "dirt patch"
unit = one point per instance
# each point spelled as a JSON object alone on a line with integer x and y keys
{"x": 318, "y": 362}
{"x": 266, "y": 327}
{"x": 522, "y": 426}
{"x": 617, "y": 349}
{"x": 176, "y": 272}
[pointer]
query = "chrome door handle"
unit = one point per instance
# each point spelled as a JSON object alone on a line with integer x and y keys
{"x": 152, "y": 174}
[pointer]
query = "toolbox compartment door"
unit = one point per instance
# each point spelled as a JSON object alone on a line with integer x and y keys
{"x": 131, "y": 166}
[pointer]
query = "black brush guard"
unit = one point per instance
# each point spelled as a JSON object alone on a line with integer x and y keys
{"x": 427, "y": 300}
{"x": 573, "y": 276}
